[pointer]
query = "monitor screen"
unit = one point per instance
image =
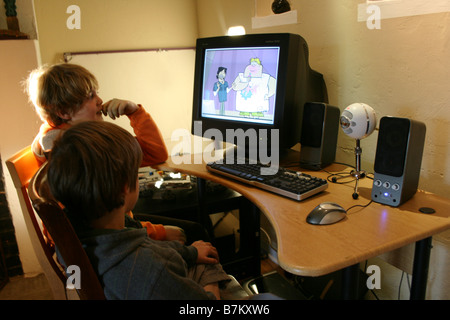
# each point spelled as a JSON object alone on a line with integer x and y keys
{"x": 239, "y": 84}
{"x": 253, "y": 86}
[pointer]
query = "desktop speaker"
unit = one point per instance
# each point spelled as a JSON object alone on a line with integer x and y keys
{"x": 398, "y": 160}
{"x": 319, "y": 135}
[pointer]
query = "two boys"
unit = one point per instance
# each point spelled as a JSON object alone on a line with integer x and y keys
{"x": 93, "y": 173}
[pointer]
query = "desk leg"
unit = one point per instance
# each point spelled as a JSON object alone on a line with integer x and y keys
{"x": 250, "y": 243}
{"x": 420, "y": 269}
{"x": 203, "y": 216}
{"x": 350, "y": 282}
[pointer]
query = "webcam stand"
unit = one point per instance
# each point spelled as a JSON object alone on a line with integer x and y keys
{"x": 357, "y": 173}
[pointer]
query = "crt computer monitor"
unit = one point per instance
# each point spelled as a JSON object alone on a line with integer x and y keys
{"x": 256, "y": 81}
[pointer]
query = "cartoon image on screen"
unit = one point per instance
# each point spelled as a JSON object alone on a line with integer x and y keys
{"x": 221, "y": 88}
{"x": 251, "y": 95}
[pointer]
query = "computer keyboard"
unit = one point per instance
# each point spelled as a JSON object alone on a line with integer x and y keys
{"x": 282, "y": 181}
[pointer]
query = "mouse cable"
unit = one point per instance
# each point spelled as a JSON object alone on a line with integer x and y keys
{"x": 360, "y": 205}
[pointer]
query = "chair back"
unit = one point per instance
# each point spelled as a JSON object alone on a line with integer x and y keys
{"x": 22, "y": 166}
{"x": 65, "y": 238}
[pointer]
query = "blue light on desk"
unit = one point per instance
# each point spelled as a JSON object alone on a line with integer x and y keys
{"x": 386, "y": 194}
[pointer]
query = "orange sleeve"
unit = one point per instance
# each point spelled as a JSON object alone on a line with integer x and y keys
{"x": 154, "y": 231}
{"x": 149, "y": 137}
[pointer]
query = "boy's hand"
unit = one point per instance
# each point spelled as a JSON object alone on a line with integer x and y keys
{"x": 115, "y": 108}
{"x": 207, "y": 254}
{"x": 175, "y": 233}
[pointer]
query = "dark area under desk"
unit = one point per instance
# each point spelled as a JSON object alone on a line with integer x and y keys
{"x": 183, "y": 203}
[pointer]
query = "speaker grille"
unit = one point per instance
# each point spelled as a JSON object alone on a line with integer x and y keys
{"x": 312, "y": 126}
{"x": 392, "y": 146}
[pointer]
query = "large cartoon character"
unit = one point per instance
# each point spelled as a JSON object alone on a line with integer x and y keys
{"x": 254, "y": 88}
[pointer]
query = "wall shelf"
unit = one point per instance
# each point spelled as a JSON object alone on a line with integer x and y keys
{"x": 275, "y": 20}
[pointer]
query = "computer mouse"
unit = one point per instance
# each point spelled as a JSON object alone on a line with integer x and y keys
{"x": 326, "y": 213}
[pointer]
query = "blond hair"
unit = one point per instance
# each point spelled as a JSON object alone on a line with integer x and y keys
{"x": 59, "y": 89}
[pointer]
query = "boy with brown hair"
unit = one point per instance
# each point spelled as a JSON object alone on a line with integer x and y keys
{"x": 93, "y": 172}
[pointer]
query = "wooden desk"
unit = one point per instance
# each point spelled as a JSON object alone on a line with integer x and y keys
{"x": 310, "y": 250}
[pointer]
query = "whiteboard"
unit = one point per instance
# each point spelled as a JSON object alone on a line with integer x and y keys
{"x": 160, "y": 80}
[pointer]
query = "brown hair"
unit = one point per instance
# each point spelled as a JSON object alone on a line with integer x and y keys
{"x": 90, "y": 166}
{"x": 59, "y": 89}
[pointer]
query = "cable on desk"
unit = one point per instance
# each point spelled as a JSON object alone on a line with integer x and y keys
{"x": 334, "y": 176}
{"x": 360, "y": 205}
{"x": 367, "y": 175}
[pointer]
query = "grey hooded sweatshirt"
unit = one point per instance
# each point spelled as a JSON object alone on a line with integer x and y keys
{"x": 130, "y": 265}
